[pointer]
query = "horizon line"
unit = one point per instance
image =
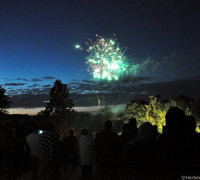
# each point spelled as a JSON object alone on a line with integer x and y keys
{"x": 89, "y": 109}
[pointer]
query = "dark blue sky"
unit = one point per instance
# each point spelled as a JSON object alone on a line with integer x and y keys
{"x": 37, "y": 39}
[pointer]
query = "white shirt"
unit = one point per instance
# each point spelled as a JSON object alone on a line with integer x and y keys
{"x": 33, "y": 141}
{"x": 86, "y": 150}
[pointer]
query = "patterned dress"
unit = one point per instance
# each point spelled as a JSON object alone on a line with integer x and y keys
{"x": 49, "y": 156}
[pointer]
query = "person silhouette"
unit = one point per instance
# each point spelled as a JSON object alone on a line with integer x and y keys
{"x": 11, "y": 154}
{"x": 170, "y": 145}
{"x": 107, "y": 146}
{"x": 49, "y": 154}
{"x": 32, "y": 140}
{"x": 86, "y": 154}
{"x": 130, "y": 133}
{"x": 139, "y": 155}
{"x": 70, "y": 150}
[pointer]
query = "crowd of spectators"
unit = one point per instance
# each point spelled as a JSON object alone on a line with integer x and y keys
{"x": 139, "y": 153}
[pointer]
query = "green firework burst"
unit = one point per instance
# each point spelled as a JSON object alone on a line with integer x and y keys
{"x": 106, "y": 60}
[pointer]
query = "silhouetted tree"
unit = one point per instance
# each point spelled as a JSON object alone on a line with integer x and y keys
{"x": 103, "y": 114}
{"x": 84, "y": 119}
{"x": 4, "y": 101}
{"x": 60, "y": 104}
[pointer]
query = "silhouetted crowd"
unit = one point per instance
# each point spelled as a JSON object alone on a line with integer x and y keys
{"x": 137, "y": 154}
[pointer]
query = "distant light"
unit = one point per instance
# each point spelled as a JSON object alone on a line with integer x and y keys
{"x": 77, "y": 46}
{"x": 40, "y": 131}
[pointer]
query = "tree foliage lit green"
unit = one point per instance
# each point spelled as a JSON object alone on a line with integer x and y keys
{"x": 155, "y": 110}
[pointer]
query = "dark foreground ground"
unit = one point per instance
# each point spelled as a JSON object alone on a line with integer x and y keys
{"x": 75, "y": 175}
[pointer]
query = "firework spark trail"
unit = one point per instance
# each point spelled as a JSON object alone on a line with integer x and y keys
{"x": 106, "y": 60}
{"x": 98, "y": 99}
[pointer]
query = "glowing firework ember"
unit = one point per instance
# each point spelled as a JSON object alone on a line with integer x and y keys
{"x": 106, "y": 59}
{"x": 77, "y": 46}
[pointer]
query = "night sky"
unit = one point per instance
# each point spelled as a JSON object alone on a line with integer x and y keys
{"x": 37, "y": 39}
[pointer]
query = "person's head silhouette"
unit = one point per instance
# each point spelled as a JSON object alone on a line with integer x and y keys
{"x": 145, "y": 132}
{"x": 108, "y": 125}
{"x": 71, "y": 132}
{"x": 132, "y": 122}
{"x": 175, "y": 118}
{"x": 84, "y": 131}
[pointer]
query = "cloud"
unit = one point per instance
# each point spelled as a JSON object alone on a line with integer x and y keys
{"x": 33, "y": 85}
{"x": 36, "y": 80}
{"x": 29, "y": 100}
{"x": 85, "y": 92}
{"x": 14, "y": 84}
{"x": 47, "y": 86}
{"x": 22, "y": 79}
{"x": 173, "y": 66}
{"x": 48, "y": 77}
{"x": 124, "y": 93}
{"x": 94, "y": 87}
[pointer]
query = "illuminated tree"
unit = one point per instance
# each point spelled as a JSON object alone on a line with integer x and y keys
{"x": 183, "y": 102}
{"x": 156, "y": 111}
{"x": 4, "y": 101}
{"x": 136, "y": 109}
{"x": 195, "y": 109}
